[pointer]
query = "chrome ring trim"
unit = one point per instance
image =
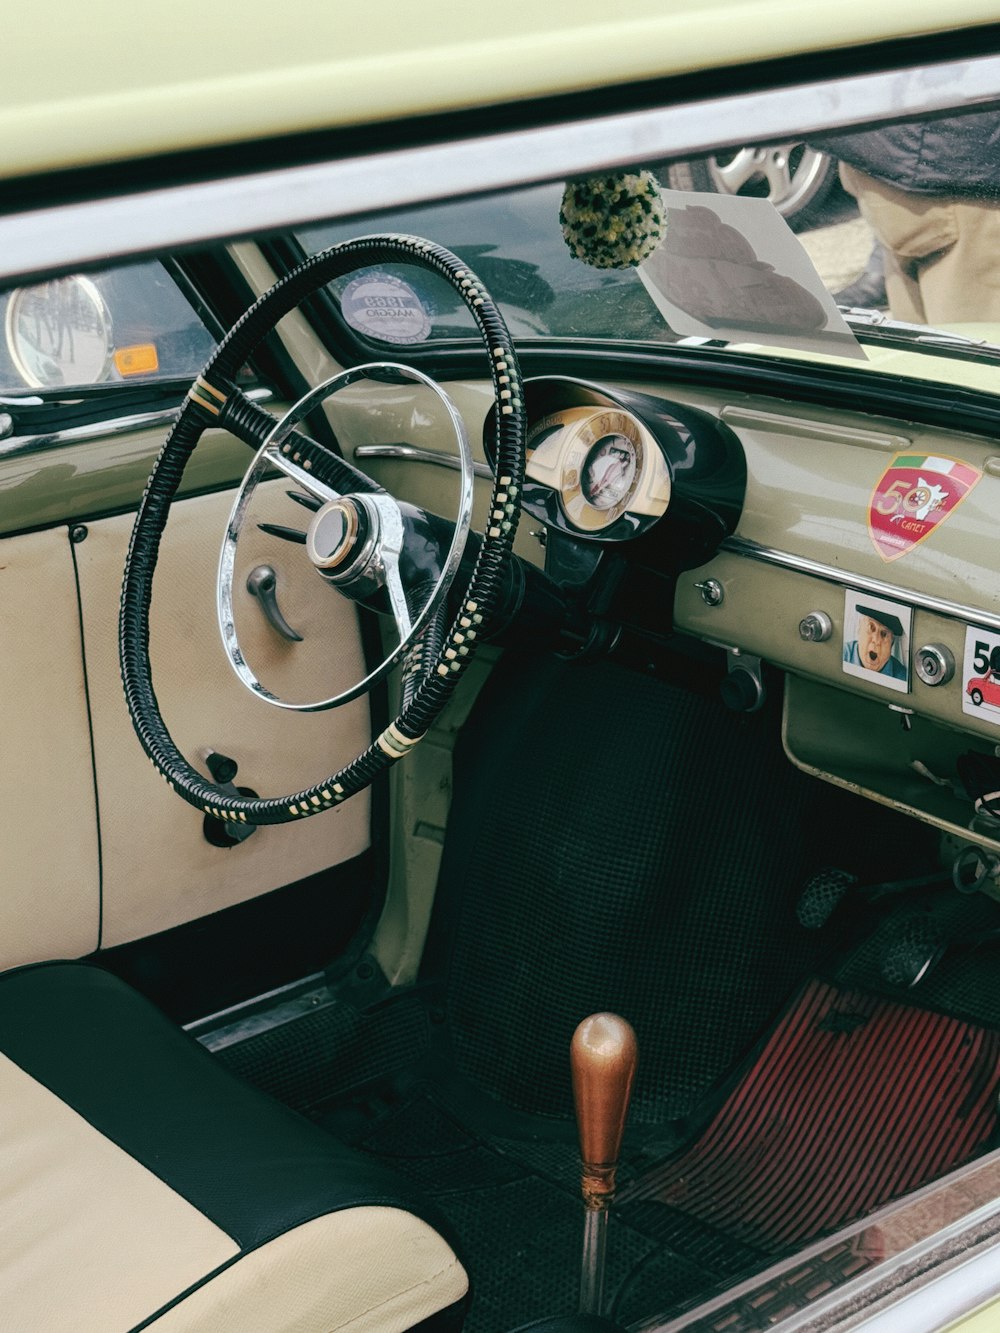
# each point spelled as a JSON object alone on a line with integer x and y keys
{"x": 100, "y": 311}
{"x": 414, "y": 455}
{"x": 49, "y": 240}
{"x": 769, "y": 555}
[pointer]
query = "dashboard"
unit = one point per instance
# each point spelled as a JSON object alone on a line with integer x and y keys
{"x": 856, "y": 555}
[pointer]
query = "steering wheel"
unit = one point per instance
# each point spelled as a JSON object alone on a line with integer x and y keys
{"x": 358, "y": 537}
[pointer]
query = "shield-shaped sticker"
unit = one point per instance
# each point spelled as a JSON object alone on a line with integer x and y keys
{"x": 913, "y": 496}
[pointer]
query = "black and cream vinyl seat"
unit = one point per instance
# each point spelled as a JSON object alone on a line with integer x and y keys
{"x": 144, "y": 1187}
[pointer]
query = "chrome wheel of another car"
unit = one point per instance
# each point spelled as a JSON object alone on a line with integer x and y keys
{"x": 795, "y": 177}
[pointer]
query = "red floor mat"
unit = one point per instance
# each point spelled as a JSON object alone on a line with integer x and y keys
{"x": 853, "y": 1102}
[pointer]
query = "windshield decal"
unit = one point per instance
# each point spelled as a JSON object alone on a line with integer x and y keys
{"x": 913, "y": 496}
{"x": 731, "y": 268}
{"x": 384, "y": 307}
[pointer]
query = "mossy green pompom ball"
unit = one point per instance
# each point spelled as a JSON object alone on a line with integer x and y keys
{"x": 613, "y": 221}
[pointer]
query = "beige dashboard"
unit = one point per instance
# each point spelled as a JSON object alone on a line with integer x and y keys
{"x": 844, "y": 523}
{"x": 804, "y": 549}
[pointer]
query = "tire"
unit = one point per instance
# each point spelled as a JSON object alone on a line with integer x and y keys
{"x": 976, "y": 697}
{"x": 796, "y": 178}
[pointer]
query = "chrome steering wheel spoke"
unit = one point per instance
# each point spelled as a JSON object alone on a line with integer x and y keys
{"x": 307, "y": 481}
{"x": 360, "y": 559}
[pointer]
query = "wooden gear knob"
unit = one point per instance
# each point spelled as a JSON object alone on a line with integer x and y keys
{"x": 603, "y": 1056}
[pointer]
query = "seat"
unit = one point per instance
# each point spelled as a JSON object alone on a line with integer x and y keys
{"x": 144, "y": 1187}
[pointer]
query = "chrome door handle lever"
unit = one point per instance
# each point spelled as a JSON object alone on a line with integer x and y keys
{"x": 262, "y": 583}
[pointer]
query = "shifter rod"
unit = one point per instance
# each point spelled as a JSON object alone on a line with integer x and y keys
{"x": 602, "y": 1058}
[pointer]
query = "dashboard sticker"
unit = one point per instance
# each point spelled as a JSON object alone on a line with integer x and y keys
{"x": 877, "y": 640}
{"x": 981, "y": 675}
{"x": 386, "y": 308}
{"x": 913, "y": 496}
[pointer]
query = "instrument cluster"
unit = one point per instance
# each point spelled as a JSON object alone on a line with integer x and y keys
{"x": 613, "y": 465}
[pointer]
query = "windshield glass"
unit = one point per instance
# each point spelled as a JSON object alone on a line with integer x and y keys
{"x": 820, "y": 248}
{"x": 514, "y": 243}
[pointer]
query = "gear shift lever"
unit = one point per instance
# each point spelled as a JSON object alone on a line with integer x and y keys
{"x": 603, "y": 1056}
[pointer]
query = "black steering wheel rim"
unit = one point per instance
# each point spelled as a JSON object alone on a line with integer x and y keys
{"x": 214, "y": 400}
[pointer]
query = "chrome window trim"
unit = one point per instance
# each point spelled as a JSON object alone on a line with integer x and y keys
{"x": 50, "y": 240}
{"x": 20, "y": 446}
{"x": 770, "y": 555}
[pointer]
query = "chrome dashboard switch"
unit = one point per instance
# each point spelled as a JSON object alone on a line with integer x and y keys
{"x": 816, "y": 627}
{"x": 934, "y": 664}
{"x": 712, "y": 592}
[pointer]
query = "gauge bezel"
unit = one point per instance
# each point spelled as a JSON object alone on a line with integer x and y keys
{"x": 559, "y": 446}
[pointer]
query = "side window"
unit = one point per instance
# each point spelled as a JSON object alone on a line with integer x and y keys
{"x": 125, "y": 325}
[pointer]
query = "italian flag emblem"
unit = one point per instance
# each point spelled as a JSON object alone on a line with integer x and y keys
{"x": 912, "y": 497}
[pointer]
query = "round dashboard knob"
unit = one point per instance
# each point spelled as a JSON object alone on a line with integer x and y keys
{"x": 742, "y": 691}
{"x": 934, "y": 664}
{"x": 816, "y": 627}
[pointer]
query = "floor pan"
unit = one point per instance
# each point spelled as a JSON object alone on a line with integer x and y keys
{"x": 851, "y": 1101}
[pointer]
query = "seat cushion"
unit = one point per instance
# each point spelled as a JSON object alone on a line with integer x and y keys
{"x": 142, "y": 1186}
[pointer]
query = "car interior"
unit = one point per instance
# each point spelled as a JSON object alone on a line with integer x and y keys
{"x": 500, "y": 690}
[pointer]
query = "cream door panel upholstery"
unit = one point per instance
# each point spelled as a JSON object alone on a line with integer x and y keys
{"x": 64, "y": 1230}
{"x": 158, "y": 869}
{"x": 290, "y": 1285}
{"x": 49, "y": 879}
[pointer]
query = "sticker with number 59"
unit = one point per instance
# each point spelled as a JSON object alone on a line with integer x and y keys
{"x": 981, "y": 675}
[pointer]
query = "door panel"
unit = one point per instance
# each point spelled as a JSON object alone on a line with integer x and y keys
{"x": 158, "y": 868}
{"x": 50, "y": 900}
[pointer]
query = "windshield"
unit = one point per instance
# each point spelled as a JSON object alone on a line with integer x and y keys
{"x": 844, "y": 246}
{"x": 514, "y": 243}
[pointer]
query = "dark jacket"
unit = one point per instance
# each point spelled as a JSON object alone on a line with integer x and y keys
{"x": 956, "y": 155}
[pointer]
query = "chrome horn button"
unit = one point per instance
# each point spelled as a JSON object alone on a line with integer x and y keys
{"x": 335, "y": 533}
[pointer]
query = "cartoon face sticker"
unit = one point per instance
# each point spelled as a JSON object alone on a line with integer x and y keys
{"x": 876, "y": 640}
{"x": 876, "y": 635}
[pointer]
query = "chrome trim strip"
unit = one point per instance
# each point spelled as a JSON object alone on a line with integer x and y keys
{"x": 47, "y": 240}
{"x": 933, "y": 1225}
{"x": 769, "y": 555}
{"x": 804, "y": 428}
{"x": 251, "y": 1017}
{"x": 20, "y": 446}
{"x": 415, "y": 455}
{"x": 941, "y": 1302}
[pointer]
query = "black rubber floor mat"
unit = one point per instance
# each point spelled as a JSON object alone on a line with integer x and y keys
{"x": 853, "y": 1101}
{"x": 514, "y": 1208}
{"x": 620, "y": 843}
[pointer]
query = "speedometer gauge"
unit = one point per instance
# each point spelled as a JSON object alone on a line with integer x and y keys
{"x": 609, "y": 471}
{"x": 604, "y": 458}
{"x": 600, "y": 464}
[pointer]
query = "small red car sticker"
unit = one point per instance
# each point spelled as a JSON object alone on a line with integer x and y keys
{"x": 981, "y": 675}
{"x": 912, "y": 497}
